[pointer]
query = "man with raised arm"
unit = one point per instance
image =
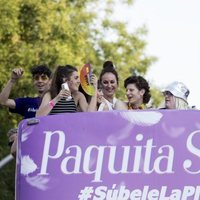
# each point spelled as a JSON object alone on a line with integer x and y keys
{"x": 26, "y": 106}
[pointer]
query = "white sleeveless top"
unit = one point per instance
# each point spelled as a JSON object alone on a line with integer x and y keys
{"x": 109, "y": 104}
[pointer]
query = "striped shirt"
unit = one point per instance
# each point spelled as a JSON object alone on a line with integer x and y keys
{"x": 64, "y": 106}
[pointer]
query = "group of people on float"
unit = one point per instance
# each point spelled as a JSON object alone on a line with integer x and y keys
{"x": 53, "y": 99}
{"x": 104, "y": 99}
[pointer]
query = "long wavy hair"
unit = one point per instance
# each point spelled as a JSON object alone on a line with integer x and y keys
{"x": 61, "y": 74}
{"x": 181, "y": 104}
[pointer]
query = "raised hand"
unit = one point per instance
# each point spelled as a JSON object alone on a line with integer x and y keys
{"x": 93, "y": 81}
{"x": 64, "y": 93}
{"x": 16, "y": 73}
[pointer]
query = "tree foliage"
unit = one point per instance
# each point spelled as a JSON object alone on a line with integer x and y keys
{"x": 57, "y": 32}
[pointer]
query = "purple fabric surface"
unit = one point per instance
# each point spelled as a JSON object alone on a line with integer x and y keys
{"x": 120, "y": 155}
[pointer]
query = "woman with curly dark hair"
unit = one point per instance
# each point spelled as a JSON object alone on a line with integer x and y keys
{"x": 137, "y": 92}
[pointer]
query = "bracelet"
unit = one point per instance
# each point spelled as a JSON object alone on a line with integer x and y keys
{"x": 51, "y": 103}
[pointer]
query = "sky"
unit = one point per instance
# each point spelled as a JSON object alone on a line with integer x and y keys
{"x": 173, "y": 37}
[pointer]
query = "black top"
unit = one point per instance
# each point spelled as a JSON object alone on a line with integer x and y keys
{"x": 64, "y": 106}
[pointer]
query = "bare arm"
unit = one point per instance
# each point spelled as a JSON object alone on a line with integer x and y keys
{"x": 13, "y": 149}
{"x": 120, "y": 105}
{"x": 81, "y": 101}
{"x": 93, "y": 103}
{"x": 44, "y": 108}
{"x": 47, "y": 103}
{"x": 5, "y": 93}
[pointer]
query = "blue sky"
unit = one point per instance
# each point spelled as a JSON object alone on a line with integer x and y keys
{"x": 173, "y": 37}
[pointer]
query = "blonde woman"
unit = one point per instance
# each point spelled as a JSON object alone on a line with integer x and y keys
{"x": 176, "y": 95}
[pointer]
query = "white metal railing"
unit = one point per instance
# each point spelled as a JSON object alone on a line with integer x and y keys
{"x": 5, "y": 160}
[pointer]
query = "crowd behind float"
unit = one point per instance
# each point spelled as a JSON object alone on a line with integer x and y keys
{"x": 61, "y": 92}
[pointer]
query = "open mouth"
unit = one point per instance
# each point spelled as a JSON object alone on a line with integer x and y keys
{"x": 130, "y": 98}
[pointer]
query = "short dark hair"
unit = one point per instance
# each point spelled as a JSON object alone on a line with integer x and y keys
{"x": 140, "y": 83}
{"x": 40, "y": 69}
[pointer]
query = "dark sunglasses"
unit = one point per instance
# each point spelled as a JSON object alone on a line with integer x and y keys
{"x": 43, "y": 77}
{"x": 168, "y": 93}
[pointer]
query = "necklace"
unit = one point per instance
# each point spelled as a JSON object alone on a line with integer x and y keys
{"x": 130, "y": 107}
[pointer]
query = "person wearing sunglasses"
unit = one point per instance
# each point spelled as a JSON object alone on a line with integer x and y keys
{"x": 26, "y": 106}
{"x": 176, "y": 95}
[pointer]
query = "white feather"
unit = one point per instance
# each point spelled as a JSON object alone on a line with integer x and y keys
{"x": 27, "y": 165}
{"x": 38, "y": 182}
{"x": 147, "y": 118}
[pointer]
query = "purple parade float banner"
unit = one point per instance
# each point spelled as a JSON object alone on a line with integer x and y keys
{"x": 120, "y": 155}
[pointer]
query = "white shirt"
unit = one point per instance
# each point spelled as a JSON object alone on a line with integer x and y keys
{"x": 109, "y": 104}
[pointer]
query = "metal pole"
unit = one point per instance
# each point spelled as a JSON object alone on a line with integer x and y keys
{"x": 5, "y": 160}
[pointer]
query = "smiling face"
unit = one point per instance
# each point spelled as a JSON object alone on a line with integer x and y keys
{"x": 134, "y": 95}
{"x": 41, "y": 83}
{"x": 109, "y": 85}
{"x": 170, "y": 102}
{"x": 74, "y": 82}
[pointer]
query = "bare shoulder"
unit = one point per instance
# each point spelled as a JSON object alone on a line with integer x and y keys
{"x": 47, "y": 95}
{"x": 80, "y": 101}
{"x": 78, "y": 95}
{"x": 120, "y": 105}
